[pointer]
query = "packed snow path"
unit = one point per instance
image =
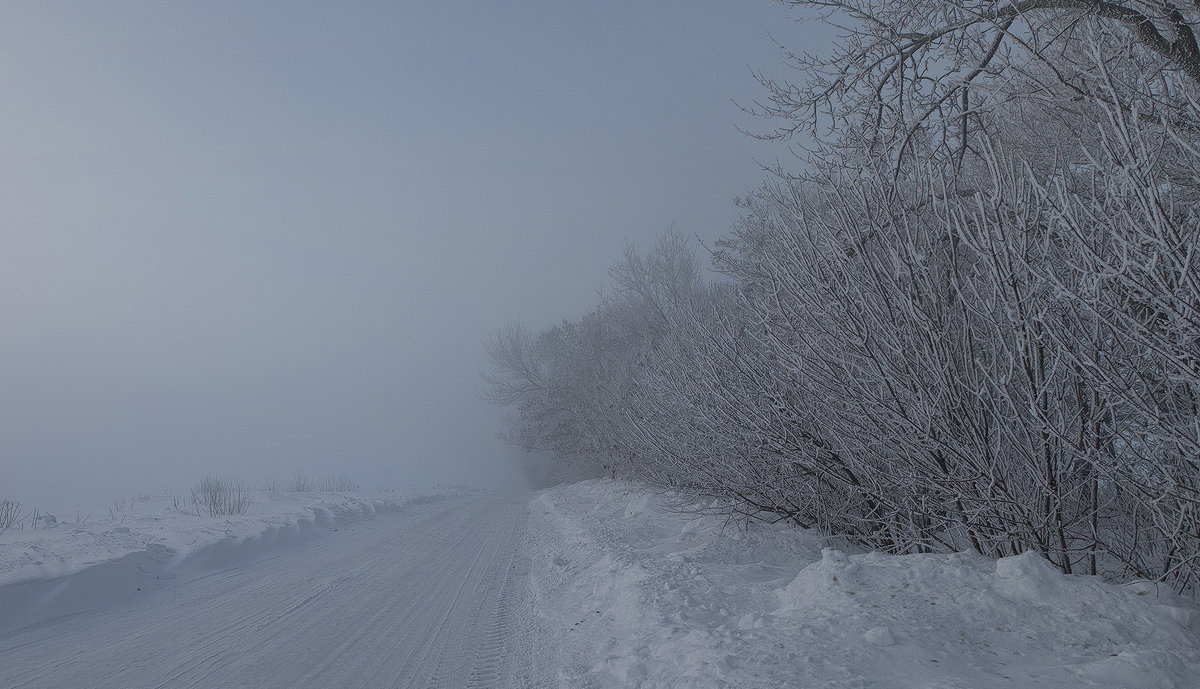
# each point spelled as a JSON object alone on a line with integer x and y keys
{"x": 423, "y": 598}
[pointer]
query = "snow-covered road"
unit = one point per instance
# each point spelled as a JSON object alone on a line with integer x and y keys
{"x": 597, "y": 585}
{"x": 428, "y": 597}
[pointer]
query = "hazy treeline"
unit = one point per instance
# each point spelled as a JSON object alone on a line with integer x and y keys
{"x": 972, "y": 320}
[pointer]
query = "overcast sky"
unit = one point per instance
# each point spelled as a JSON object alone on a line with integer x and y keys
{"x": 261, "y": 237}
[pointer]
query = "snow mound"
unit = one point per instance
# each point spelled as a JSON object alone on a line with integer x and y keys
{"x": 637, "y": 506}
{"x": 632, "y": 593}
{"x": 1027, "y": 577}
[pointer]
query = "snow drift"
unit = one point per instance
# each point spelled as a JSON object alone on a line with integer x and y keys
{"x": 640, "y": 594}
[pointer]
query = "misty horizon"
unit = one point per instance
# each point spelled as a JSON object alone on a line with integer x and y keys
{"x": 255, "y": 241}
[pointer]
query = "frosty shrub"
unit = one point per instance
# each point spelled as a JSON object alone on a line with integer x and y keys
{"x": 338, "y": 483}
{"x": 300, "y": 484}
{"x": 10, "y": 514}
{"x": 221, "y": 496}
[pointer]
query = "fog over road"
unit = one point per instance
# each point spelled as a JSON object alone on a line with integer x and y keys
{"x": 433, "y": 596}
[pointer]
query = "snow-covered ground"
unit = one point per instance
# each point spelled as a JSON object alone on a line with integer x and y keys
{"x": 177, "y": 530}
{"x": 65, "y": 568}
{"x": 599, "y": 584}
{"x": 639, "y": 595}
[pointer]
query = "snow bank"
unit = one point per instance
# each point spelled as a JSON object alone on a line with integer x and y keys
{"x": 640, "y": 595}
{"x": 66, "y": 568}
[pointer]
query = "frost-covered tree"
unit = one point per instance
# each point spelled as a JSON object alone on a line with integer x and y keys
{"x": 911, "y": 70}
{"x": 971, "y": 322}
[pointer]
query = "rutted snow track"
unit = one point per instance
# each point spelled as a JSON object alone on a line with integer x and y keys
{"x": 431, "y": 597}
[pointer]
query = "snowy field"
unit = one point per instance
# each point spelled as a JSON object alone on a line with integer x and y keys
{"x": 643, "y": 596}
{"x": 172, "y": 528}
{"x": 63, "y": 568}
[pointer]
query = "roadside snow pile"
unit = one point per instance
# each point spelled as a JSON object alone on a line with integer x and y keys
{"x": 168, "y": 535}
{"x": 640, "y": 595}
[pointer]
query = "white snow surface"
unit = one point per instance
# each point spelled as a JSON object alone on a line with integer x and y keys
{"x": 598, "y": 584}
{"x": 418, "y": 598}
{"x": 640, "y": 594}
{"x": 163, "y": 528}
